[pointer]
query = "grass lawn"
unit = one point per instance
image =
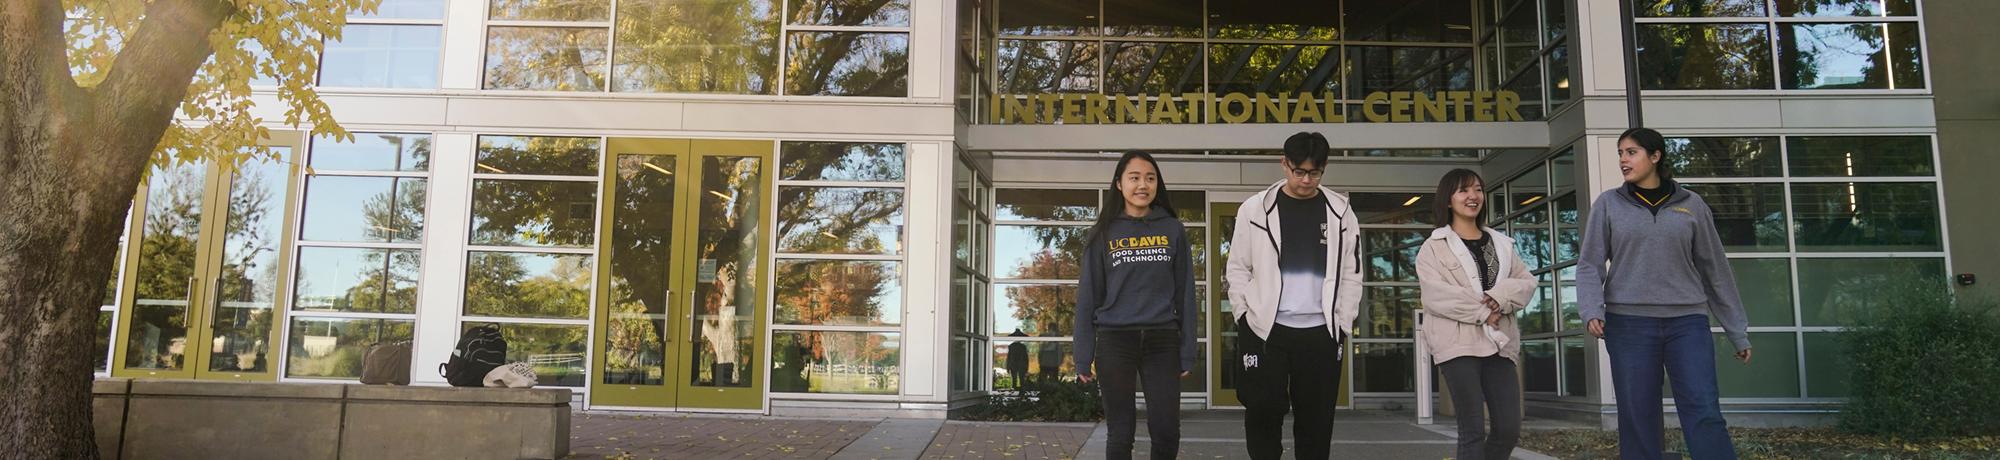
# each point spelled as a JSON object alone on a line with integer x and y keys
{"x": 1772, "y": 443}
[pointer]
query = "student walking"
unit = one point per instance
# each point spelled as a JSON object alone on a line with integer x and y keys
{"x": 1665, "y": 278}
{"x": 1473, "y": 282}
{"x": 1134, "y": 309}
{"x": 1295, "y": 278}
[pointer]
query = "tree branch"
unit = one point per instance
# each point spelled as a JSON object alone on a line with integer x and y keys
{"x": 149, "y": 78}
{"x": 34, "y": 73}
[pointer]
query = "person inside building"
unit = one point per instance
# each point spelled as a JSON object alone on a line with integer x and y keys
{"x": 1651, "y": 277}
{"x": 1135, "y": 310}
{"x": 1294, "y": 274}
{"x": 1473, "y": 282}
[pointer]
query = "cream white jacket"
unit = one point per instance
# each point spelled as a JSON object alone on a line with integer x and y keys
{"x": 1254, "y": 277}
{"x": 1454, "y": 308}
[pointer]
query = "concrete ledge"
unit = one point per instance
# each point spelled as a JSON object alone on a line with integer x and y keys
{"x": 139, "y": 419}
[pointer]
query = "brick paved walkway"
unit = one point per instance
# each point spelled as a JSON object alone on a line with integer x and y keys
{"x": 595, "y": 435}
{"x": 1030, "y": 441}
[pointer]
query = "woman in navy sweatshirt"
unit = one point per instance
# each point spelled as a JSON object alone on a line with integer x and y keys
{"x": 1135, "y": 308}
{"x": 1653, "y": 273}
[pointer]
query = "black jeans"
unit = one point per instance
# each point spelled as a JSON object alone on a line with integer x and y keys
{"x": 1296, "y": 369}
{"x": 1480, "y": 385}
{"x": 1124, "y": 360}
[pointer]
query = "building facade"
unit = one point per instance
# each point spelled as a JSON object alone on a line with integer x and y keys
{"x": 815, "y": 206}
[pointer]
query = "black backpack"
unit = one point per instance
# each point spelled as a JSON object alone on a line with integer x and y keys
{"x": 480, "y": 350}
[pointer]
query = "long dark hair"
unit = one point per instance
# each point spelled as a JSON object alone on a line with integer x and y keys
{"x": 1441, "y": 206}
{"x": 1114, "y": 200}
{"x": 1653, "y": 143}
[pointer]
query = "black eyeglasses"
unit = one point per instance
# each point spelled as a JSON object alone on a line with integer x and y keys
{"x": 1309, "y": 173}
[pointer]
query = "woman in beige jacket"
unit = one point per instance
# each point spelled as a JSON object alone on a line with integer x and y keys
{"x": 1473, "y": 282}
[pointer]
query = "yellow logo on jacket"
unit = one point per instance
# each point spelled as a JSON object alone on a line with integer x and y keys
{"x": 1139, "y": 242}
{"x": 1683, "y": 210}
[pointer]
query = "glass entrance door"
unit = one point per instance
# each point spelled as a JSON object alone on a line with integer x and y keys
{"x": 202, "y": 300}
{"x": 682, "y": 322}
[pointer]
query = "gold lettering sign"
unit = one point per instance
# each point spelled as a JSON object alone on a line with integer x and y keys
{"x": 1233, "y": 108}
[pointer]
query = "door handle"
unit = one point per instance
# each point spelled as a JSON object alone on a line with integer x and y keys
{"x": 667, "y": 333}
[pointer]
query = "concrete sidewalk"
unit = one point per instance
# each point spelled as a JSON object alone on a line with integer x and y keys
{"x": 1212, "y": 434}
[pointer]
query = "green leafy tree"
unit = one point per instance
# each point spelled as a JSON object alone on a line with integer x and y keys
{"x": 88, "y": 104}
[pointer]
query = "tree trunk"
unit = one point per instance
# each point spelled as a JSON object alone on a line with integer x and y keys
{"x": 70, "y": 161}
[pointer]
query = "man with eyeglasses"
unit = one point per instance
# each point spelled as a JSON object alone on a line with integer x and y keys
{"x": 1295, "y": 281}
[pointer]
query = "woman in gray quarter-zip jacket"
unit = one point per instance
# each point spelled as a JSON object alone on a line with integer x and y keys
{"x": 1652, "y": 275}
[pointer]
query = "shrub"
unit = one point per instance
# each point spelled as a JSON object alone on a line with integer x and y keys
{"x": 1924, "y": 365}
{"x": 1057, "y": 401}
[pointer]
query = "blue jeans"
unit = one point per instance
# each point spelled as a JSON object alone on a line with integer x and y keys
{"x": 1640, "y": 348}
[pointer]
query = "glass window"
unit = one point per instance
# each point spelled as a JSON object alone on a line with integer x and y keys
{"x": 1569, "y": 234}
{"x": 333, "y": 348}
{"x": 363, "y": 209}
{"x": 1828, "y": 364}
{"x": 1034, "y": 310}
{"x": 839, "y": 293}
{"x": 1385, "y": 367}
{"x": 102, "y": 349}
{"x": 373, "y": 152}
{"x": 1191, "y": 206}
{"x": 567, "y": 10}
{"x": 962, "y": 363}
{"x": 1273, "y": 69}
{"x": 1847, "y": 8}
{"x": 1724, "y": 156}
{"x": 1391, "y": 254}
{"x": 1528, "y": 85}
{"x": 1749, "y": 217}
{"x": 1538, "y": 366}
{"x": 1386, "y": 312}
{"x": 545, "y": 58}
{"x": 698, "y": 47}
{"x": 1856, "y": 217}
{"x": 1832, "y": 291}
{"x": 1298, "y": 21}
{"x": 1405, "y": 21}
{"x": 842, "y": 161}
{"x": 848, "y": 64}
{"x": 1046, "y": 66}
{"x": 1046, "y": 205}
{"x": 1049, "y": 17}
{"x": 1197, "y": 379}
{"x": 840, "y": 220}
{"x": 1558, "y": 73}
{"x": 527, "y": 285}
{"x": 1408, "y": 68}
{"x": 1039, "y": 252}
{"x": 1555, "y": 20}
{"x": 1575, "y": 362}
{"x": 1392, "y": 208}
{"x": 555, "y": 350}
{"x": 1019, "y": 362}
{"x": 1774, "y": 373}
{"x": 1698, "y": 8}
{"x": 534, "y": 213}
{"x": 1704, "y": 56}
{"x": 1537, "y": 316}
{"x": 556, "y": 156}
{"x": 1766, "y": 288}
{"x": 1153, "y": 18}
{"x": 406, "y": 9}
{"x": 1860, "y": 156}
{"x": 382, "y": 56}
{"x": 1152, "y": 68}
{"x": 357, "y": 280}
{"x": 836, "y": 362}
{"x": 1852, "y": 56}
{"x": 848, "y": 12}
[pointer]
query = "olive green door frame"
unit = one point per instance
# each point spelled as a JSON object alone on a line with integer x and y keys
{"x": 640, "y": 244}
{"x": 1222, "y": 319}
{"x": 199, "y": 298}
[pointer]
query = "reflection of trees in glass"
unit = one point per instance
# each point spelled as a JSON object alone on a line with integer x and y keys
{"x": 1153, "y": 68}
{"x": 1852, "y": 56}
{"x": 836, "y": 362}
{"x": 1272, "y": 69}
{"x": 501, "y": 284}
{"x": 848, "y": 64}
{"x": 1700, "y": 8}
{"x": 1701, "y": 56}
{"x": 249, "y": 279}
{"x": 335, "y": 347}
{"x": 541, "y": 213}
{"x": 726, "y": 254}
{"x": 1033, "y": 67}
{"x": 545, "y": 58}
{"x": 697, "y": 47}
{"x": 836, "y": 293}
{"x": 1847, "y": 7}
{"x": 849, "y": 12}
{"x": 550, "y": 10}
{"x": 642, "y": 229}
{"x": 1724, "y": 156}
